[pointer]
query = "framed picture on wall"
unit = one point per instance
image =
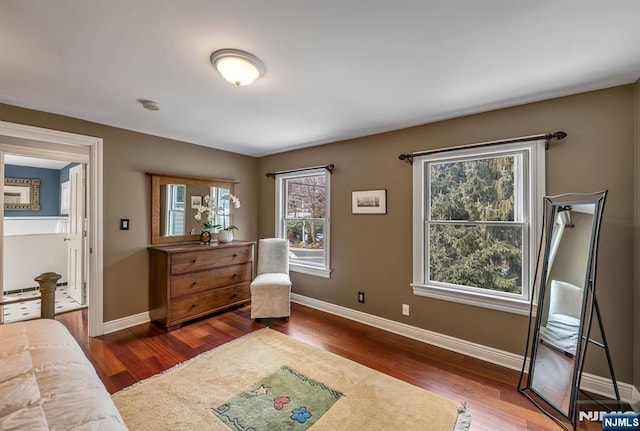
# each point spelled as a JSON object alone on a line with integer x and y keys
{"x": 369, "y": 202}
{"x": 196, "y": 201}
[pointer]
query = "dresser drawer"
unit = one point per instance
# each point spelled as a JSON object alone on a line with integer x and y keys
{"x": 214, "y": 257}
{"x": 201, "y": 281}
{"x": 195, "y": 305}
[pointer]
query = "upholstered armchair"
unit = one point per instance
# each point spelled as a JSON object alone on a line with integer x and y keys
{"x": 563, "y": 321}
{"x": 271, "y": 289}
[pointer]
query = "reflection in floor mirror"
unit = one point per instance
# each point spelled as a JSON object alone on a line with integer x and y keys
{"x": 562, "y": 319}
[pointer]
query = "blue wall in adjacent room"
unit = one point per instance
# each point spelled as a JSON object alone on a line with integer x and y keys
{"x": 49, "y": 190}
{"x": 64, "y": 172}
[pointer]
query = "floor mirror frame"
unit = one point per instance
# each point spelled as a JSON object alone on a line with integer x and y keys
{"x": 550, "y": 335}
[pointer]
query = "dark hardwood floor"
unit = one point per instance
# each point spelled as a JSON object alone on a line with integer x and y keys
{"x": 130, "y": 355}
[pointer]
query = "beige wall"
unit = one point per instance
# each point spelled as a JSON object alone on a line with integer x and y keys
{"x": 128, "y": 156}
{"x": 373, "y": 253}
{"x": 636, "y": 332}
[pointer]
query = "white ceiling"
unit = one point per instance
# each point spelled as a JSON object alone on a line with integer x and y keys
{"x": 336, "y": 69}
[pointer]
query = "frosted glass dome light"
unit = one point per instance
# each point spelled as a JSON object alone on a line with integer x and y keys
{"x": 237, "y": 67}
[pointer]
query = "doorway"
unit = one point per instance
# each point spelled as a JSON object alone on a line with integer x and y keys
{"x": 44, "y": 225}
{"x": 86, "y": 150}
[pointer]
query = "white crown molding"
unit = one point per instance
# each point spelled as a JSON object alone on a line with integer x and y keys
{"x": 590, "y": 382}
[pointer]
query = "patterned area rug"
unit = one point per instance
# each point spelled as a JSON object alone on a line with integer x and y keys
{"x": 285, "y": 400}
{"x": 265, "y": 376}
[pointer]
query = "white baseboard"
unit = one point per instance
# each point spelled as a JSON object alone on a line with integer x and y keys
{"x": 126, "y": 322}
{"x": 590, "y": 382}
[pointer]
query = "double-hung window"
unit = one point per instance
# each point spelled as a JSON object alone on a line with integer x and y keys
{"x": 175, "y": 205}
{"x": 302, "y": 217}
{"x": 223, "y": 216}
{"x": 475, "y": 224}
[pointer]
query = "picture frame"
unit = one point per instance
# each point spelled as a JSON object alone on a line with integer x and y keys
{"x": 369, "y": 201}
{"x": 22, "y": 194}
{"x": 196, "y": 201}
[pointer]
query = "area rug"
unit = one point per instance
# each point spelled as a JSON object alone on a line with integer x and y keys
{"x": 287, "y": 399}
{"x": 267, "y": 381}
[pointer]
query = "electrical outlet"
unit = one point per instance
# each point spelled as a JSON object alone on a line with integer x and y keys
{"x": 361, "y": 297}
{"x": 405, "y": 309}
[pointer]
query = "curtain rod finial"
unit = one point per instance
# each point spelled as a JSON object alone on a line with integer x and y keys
{"x": 407, "y": 157}
{"x": 559, "y": 135}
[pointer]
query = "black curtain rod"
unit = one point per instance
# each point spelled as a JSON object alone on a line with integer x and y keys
{"x": 327, "y": 167}
{"x": 557, "y": 136}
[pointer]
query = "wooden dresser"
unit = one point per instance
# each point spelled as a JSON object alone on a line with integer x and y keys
{"x": 191, "y": 280}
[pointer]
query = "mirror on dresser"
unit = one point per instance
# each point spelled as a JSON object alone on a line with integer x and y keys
{"x": 174, "y": 200}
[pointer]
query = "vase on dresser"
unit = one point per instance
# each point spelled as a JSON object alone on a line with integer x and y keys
{"x": 225, "y": 236}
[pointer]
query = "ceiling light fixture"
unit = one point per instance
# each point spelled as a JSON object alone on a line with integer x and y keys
{"x": 238, "y": 67}
{"x": 149, "y": 104}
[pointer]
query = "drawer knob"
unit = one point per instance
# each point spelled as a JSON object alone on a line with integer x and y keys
{"x": 195, "y": 283}
{"x": 195, "y": 260}
{"x": 235, "y": 254}
{"x": 235, "y": 274}
{"x": 234, "y": 294}
{"x": 194, "y": 305}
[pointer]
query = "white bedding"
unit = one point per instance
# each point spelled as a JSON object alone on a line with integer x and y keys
{"x": 47, "y": 383}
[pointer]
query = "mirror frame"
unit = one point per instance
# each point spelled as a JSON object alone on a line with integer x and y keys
{"x": 158, "y": 180}
{"x": 34, "y": 193}
{"x": 553, "y": 204}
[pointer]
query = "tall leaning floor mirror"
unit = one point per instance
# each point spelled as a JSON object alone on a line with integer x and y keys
{"x": 560, "y": 324}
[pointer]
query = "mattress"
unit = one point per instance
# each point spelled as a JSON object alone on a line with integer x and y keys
{"x": 47, "y": 383}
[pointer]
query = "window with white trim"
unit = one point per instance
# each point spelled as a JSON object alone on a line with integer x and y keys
{"x": 175, "y": 206}
{"x": 476, "y": 213}
{"x": 302, "y": 217}
{"x": 223, "y": 216}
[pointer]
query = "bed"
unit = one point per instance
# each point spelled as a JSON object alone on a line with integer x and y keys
{"x": 47, "y": 383}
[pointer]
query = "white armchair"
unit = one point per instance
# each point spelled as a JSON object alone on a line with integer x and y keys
{"x": 563, "y": 321}
{"x": 271, "y": 289}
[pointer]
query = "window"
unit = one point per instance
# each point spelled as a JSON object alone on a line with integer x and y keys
{"x": 476, "y": 233}
{"x": 175, "y": 205}
{"x": 222, "y": 218}
{"x": 302, "y": 217}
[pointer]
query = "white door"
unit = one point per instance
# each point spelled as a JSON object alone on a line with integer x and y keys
{"x": 76, "y": 236}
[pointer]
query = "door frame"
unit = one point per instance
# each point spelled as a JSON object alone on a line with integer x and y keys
{"x": 39, "y": 146}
